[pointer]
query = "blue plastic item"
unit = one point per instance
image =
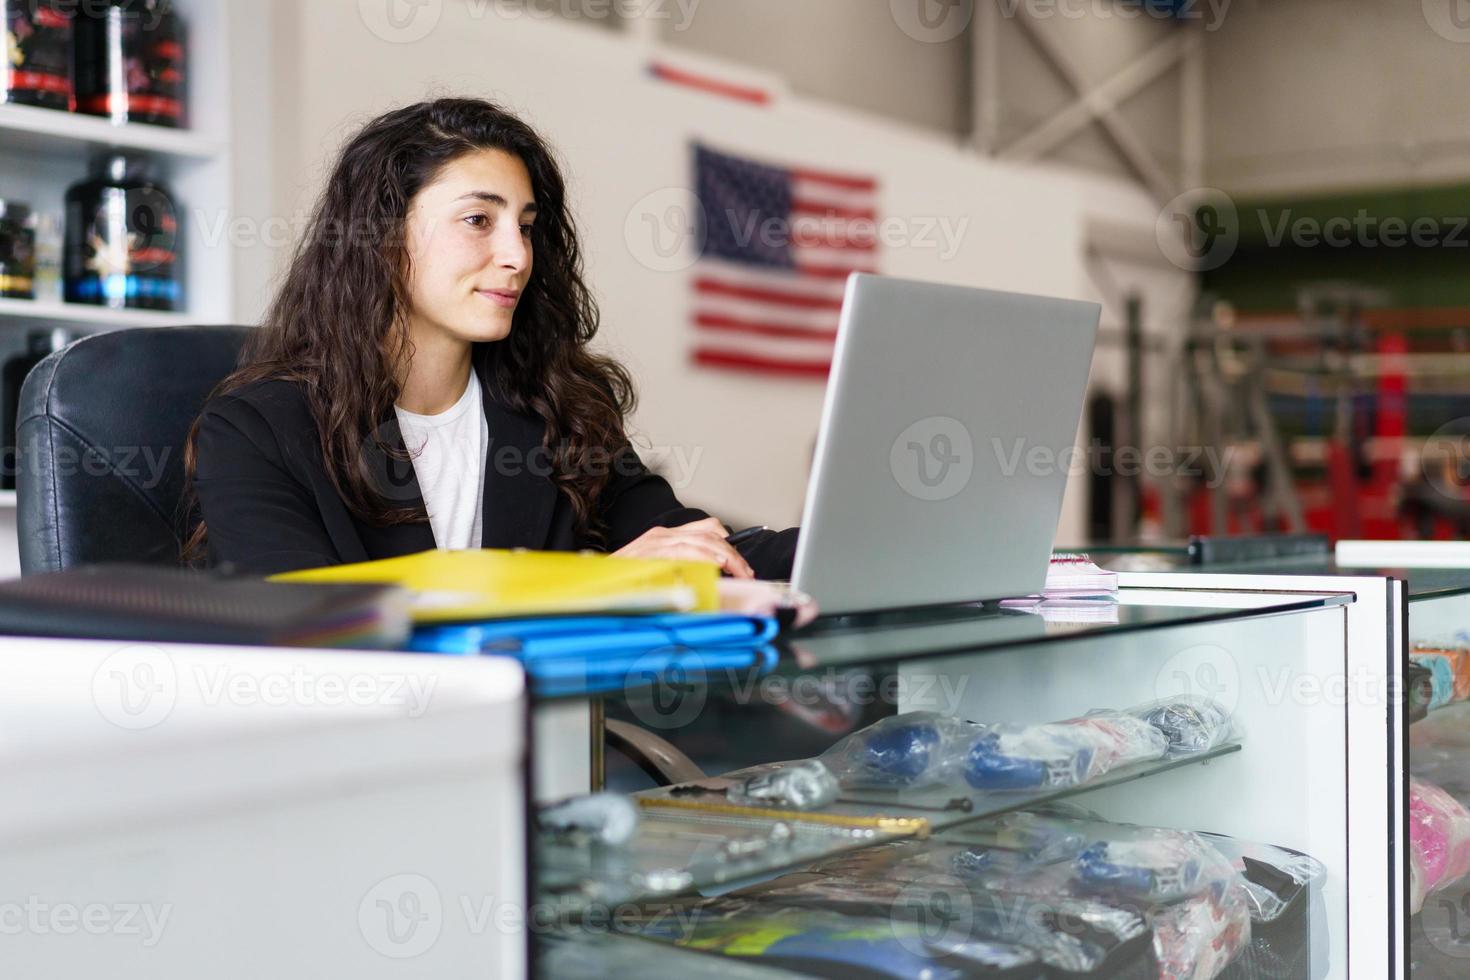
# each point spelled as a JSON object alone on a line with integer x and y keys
{"x": 991, "y": 766}
{"x": 901, "y": 752}
{"x": 592, "y": 654}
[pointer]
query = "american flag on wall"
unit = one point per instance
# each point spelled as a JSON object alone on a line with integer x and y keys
{"x": 777, "y": 246}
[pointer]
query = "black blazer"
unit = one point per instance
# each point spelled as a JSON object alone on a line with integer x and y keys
{"x": 270, "y": 507}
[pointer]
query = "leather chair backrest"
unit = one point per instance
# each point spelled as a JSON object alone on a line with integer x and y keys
{"x": 100, "y": 443}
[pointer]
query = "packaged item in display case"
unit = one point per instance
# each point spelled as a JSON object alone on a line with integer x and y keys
{"x": 1439, "y": 841}
{"x": 1069, "y": 936}
{"x": 129, "y": 64}
{"x": 1456, "y": 657}
{"x": 38, "y": 45}
{"x": 1061, "y": 754}
{"x": 907, "y": 751}
{"x": 1284, "y": 888}
{"x": 1204, "y": 925}
{"x": 1192, "y": 724}
{"x": 803, "y": 785}
{"x": 122, "y": 237}
{"x": 1441, "y": 677}
{"x": 607, "y": 818}
{"x": 921, "y": 749}
{"x": 817, "y": 942}
{"x": 1418, "y": 690}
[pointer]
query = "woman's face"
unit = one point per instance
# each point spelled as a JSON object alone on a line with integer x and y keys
{"x": 469, "y": 243}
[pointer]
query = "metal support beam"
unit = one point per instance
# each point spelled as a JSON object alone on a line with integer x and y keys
{"x": 1100, "y": 104}
{"x": 1192, "y": 109}
{"x": 986, "y": 30}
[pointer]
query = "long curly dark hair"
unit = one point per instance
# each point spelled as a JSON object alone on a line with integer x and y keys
{"x": 337, "y": 326}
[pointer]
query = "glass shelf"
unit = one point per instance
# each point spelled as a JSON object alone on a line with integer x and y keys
{"x": 915, "y": 634}
{"x": 1424, "y": 583}
{"x": 933, "y": 632}
{"x": 677, "y": 848}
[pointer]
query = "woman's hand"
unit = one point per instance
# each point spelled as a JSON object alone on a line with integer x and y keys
{"x": 696, "y": 541}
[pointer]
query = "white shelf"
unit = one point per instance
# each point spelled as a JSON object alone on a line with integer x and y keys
{"x": 14, "y": 311}
{"x": 49, "y": 131}
{"x": 7, "y": 499}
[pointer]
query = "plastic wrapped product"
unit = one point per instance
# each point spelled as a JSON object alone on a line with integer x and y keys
{"x": 1121, "y": 739}
{"x": 1418, "y": 691}
{"x": 1458, "y": 658}
{"x": 903, "y": 752}
{"x": 1283, "y": 890}
{"x": 1165, "y": 866}
{"x": 1070, "y": 936}
{"x": 1272, "y": 876}
{"x": 610, "y": 818}
{"x": 1059, "y": 755}
{"x": 1191, "y": 724}
{"x": 1198, "y": 938}
{"x": 804, "y": 785}
{"x": 1442, "y": 677}
{"x": 817, "y": 942}
{"x": 1195, "y": 937}
{"x": 1439, "y": 841}
{"x": 1038, "y": 837}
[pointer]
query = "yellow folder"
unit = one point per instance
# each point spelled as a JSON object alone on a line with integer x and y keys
{"x": 452, "y": 586}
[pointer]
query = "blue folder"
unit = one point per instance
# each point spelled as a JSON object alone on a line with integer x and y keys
{"x": 588, "y": 654}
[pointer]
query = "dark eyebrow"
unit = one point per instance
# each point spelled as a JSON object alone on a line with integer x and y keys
{"x": 496, "y": 200}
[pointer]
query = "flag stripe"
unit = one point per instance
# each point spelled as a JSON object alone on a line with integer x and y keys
{"x": 741, "y": 309}
{"x": 715, "y": 321}
{"x": 801, "y": 205}
{"x": 714, "y": 86}
{"x": 832, "y": 271}
{"x": 845, "y": 181}
{"x": 800, "y": 279}
{"x": 807, "y": 190}
{"x": 762, "y": 365}
{"x": 704, "y": 284}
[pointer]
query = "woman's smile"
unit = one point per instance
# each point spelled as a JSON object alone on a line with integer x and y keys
{"x": 506, "y": 298}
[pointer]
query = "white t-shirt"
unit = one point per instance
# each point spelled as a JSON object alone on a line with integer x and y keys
{"x": 448, "y": 452}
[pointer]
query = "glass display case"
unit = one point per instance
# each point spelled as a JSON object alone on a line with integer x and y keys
{"x": 1201, "y": 776}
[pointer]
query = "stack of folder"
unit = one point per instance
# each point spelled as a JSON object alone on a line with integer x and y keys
{"x": 579, "y": 622}
{"x": 162, "y": 604}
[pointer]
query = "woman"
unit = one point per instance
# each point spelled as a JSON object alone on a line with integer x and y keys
{"x": 423, "y": 377}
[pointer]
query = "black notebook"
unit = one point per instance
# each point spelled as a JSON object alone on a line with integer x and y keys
{"x": 174, "y": 605}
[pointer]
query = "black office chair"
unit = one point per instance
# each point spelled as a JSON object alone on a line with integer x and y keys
{"x": 100, "y": 444}
{"x": 100, "y": 468}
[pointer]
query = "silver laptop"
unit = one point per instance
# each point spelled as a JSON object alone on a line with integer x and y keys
{"x": 947, "y": 434}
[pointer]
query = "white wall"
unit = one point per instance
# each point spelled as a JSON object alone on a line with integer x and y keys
{"x": 853, "y": 54}
{"x": 624, "y": 136}
{"x": 1315, "y": 95}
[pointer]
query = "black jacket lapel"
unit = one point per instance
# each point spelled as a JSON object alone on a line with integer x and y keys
{"x": 394, "y": 476}
{"x": 519, "y": 493}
